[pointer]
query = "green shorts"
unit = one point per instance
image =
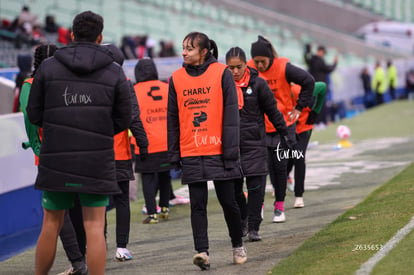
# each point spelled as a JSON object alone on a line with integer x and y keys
{"x": 65, "y": 200}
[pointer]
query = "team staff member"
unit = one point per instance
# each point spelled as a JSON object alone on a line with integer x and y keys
{"x": 203, "y": 136}
{"x": 255, "y": 100}
{"x": 124, "y": 171}
{"x": 379, "y": 83}
{"x": 392, "y": 77}
{"x": 81, "y": 99}
{"x": 154, "y": 167}
{"x": 279, "y": 73}
{"x": 67, "y": 234}
{"x": 304, "y": 126}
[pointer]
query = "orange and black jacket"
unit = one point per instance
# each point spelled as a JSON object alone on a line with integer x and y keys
{"x": 152, "y": 95}
{"x": 122, "y": 142}
{"x": 203, "y": 122}
{"x": 279, "y": 76}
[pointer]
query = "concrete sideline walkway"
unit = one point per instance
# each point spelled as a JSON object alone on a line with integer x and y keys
{"x": 336, "y": 182}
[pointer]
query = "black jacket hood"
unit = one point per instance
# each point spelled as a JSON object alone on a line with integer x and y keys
{"x": 115, "y": 52}
{"x": 24, "y": 62}
{"x": 83, "y": 57}
{"x": 145, "y": 70}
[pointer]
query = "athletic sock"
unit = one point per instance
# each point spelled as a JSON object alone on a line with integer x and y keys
{"x": 280, "y": 205}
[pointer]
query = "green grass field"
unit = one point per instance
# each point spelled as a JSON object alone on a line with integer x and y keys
{"x": 355, "y": 236}
{"x": 389, "y": 120}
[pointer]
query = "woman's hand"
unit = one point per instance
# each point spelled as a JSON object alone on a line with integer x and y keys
{"x": 293, "y": 115}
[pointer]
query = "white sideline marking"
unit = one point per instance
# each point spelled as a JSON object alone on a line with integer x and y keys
{"x": 367, "y": 267}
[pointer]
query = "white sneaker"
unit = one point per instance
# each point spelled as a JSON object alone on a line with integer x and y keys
{"x": 239, "y": 255}
{"x": 299, "y": 202}
{"x": 72, "y": 271}
{"x": 123, "y": 254}
{"x": 179, "y": 200}
{"x": 202, "y": 260}
{"x": 279, "y": 216}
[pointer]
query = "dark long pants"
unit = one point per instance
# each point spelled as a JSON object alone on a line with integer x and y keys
{"x": 150, "y": 183}
{"x": 252, "y": 207}
{"x": 277, "y": 173}
{"x": 300, "y": 163}
{"x": 277, "y": 158}
{"x": 72, "y": 233}
{"x": 323, "y": 114}
{"x": 123, "y": 214}
{"x": 199, "y": 222}
{"x": 380, "y": 98}
{"x": 392, "y": 93}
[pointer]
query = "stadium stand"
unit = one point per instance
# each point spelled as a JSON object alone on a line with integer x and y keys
{"x": 229, "y": 23}
{"x": 399, "y": 10}
{"x": 226, "y": 25}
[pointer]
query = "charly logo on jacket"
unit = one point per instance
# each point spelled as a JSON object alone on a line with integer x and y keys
{"x": 76, "y": 98}
{"x": 198, "y": 118}
{"x": 154, "y": 97}
{"x": 249, "y": 90}
{"x": 154, "y": 115}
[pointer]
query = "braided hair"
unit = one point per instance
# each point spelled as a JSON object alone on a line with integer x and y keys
{"x": 41, "y": 53}
{"x": 203, "y": 42}
{"x": 236, "y": 52}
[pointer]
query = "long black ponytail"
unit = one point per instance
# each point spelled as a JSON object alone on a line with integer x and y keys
{"x": 203, "y": 42}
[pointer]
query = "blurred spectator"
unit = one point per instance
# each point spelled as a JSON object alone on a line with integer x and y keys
{"x": 392, "y": 78}
{"x": 369, "y": 97}
{"x": 307, "y": 55}
{"x": 128, "y": 47}
{"x": 24, "y": 62}
{"x": 26, "y": 17}
{"x": 320, "y": 72}
{"x": 167, "y": 49}
{"x": 379, "y": 83}
{"x": 50, "y": 24}
{"x": 150, "y": 45}
{"x": 5, "y": 24}
{"x": 22, "y": 35}
{"x": 37, "y": 35}
{"x": 64, "y": 36}
{"x": 141, "y": 49}
{"x": 409, "y": 83}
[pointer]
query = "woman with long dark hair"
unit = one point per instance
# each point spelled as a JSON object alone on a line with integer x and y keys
{"x": 255, "y": 100}
{"x": 203, "y": 138}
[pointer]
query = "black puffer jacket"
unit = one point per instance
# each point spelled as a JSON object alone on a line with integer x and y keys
{"x": 258, "y": 100}
{"x": 80, "y": 98}
{"x": 217, "y": 167}
{"x": 124, "y": 170}
{"x": 145, "y": 70}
